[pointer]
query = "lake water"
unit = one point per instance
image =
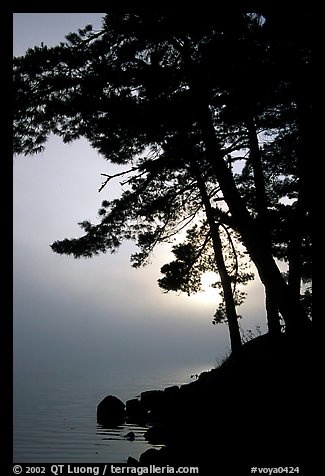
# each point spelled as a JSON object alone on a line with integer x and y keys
{"x": 55, "y": 415}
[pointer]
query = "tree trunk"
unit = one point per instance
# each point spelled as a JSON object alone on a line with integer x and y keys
{"x": 293, "y": 314}
{"x": 272, "y": 314}
{"x": 261, "y": 208}
{"x": 232, "y": 318}
{"x": 294, "y": 254}
{"x": 301, "y": 221}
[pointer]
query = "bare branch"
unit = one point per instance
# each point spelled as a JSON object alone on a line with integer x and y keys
{"x": 110, "y": 177}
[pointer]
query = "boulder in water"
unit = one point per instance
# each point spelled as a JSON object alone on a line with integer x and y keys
{"x": 111, "y": 411}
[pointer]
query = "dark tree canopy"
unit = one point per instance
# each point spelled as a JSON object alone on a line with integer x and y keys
{"x": 208, "y": 114}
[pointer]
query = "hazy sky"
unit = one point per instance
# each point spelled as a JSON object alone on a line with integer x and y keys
{"x": 71, "y": 314}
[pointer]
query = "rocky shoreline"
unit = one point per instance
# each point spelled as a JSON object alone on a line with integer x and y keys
{"x": 253, "y": 410}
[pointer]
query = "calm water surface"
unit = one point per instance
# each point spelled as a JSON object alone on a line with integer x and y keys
{"x": 55, "y": 416}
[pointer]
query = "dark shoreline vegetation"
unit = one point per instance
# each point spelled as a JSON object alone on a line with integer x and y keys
{"x": 257, "y": 408}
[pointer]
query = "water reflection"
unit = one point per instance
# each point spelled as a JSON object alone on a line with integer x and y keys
{"x": 122, "y": 432}
{"x": 129, "y": 437}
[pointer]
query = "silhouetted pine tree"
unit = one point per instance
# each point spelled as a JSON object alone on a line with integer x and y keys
{"x": 148, "y": 85}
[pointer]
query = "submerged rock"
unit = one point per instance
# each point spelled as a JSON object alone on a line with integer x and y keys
{"x": 130, "y": 436}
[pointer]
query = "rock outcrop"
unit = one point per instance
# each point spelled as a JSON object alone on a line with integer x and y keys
{"x": 111, "y": 411}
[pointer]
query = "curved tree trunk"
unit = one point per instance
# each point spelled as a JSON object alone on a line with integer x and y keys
{"x": 293, "y": 313}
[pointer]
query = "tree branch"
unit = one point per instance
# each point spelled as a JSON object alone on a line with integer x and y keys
{"x": 110, "y": 177}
